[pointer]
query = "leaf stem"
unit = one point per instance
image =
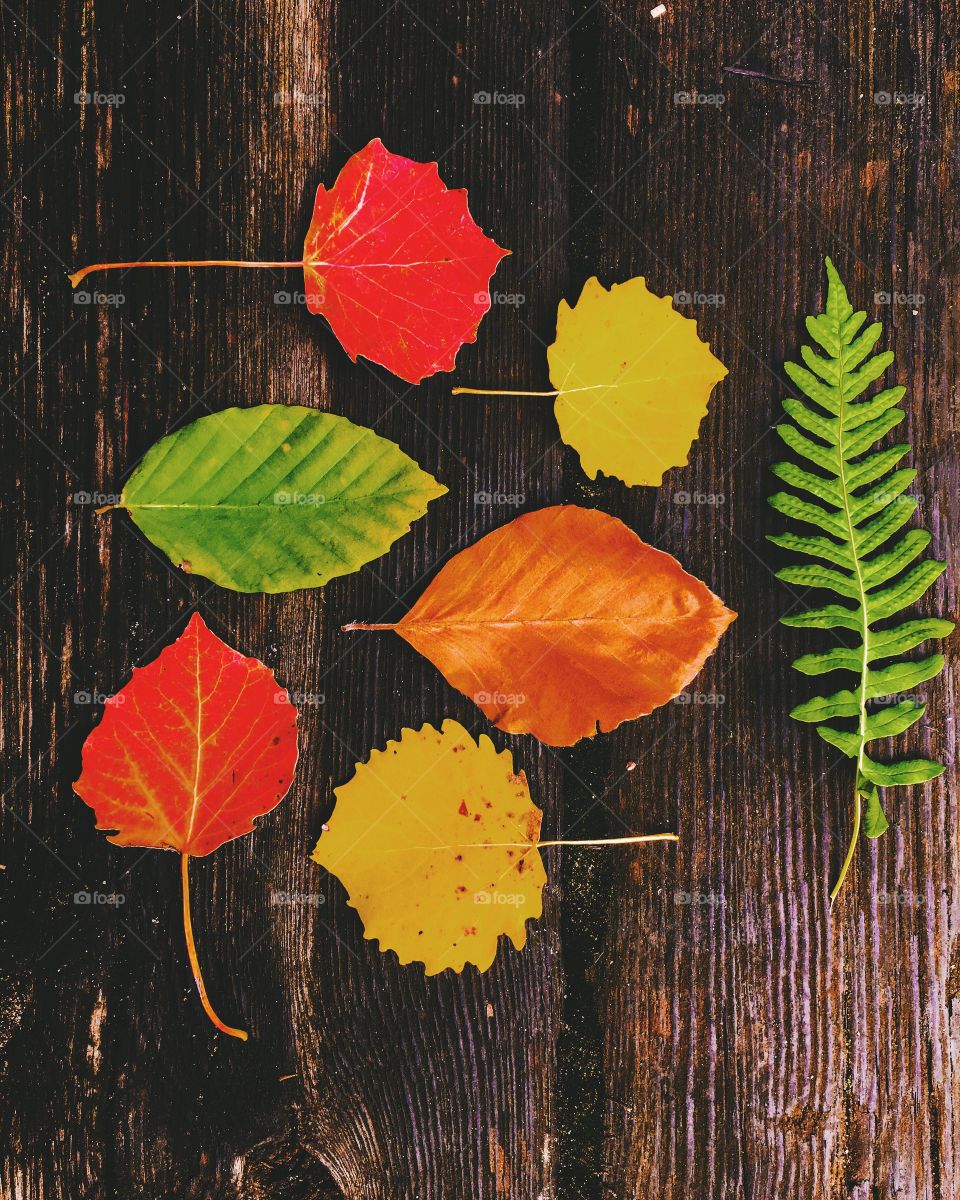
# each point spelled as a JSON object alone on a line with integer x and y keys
{"x": 78, "y": 276}
{"x": 618, "y": 841}
{"x": 864, "y": 624}
{"x": 192, "y": 955}
{"x": 633, "y": 840}
{"x": 851, "y": 849}
{"x": 467, "y": 391}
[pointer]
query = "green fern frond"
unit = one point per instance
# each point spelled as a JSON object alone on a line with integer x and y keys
{"x": 853, "y": 493}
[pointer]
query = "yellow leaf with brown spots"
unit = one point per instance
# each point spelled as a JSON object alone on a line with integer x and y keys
{"x": 436, "y": 839}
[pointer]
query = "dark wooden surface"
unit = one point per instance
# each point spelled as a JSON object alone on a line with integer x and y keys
{"x": 684, "y": 1023}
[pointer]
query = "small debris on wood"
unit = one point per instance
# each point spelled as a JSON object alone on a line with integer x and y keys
{"x": 750, "y": 73}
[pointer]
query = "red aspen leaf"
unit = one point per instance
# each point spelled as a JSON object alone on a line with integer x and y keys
{"x": 563, "y": 623}
{"x": 189, "y": 753}
{"x": 397, "y": 265}
{"x": 392, "y": 259}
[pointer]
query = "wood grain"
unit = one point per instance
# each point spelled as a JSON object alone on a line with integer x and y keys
{"x": 683, "y": 1023}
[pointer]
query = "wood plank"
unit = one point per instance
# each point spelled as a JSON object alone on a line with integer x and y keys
{"x": 683, "y": 1022}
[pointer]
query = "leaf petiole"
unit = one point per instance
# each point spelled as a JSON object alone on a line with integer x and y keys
{"x": 567, "y": 391}
{"x": 465, "y": 391}
{"x": 633, "y": 840}
{"x": 851, "y": 849}
{"x": 192, "y": 955}
{"x": 78, "y": 276}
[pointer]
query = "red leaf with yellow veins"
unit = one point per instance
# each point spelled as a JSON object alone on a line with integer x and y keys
{"x": 397, "y": 265}
{"x": 392, "y": 259}
{"x": 189, "y": 753}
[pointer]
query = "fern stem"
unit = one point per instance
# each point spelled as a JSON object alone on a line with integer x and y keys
{"x": 864, "y": 627}
{"x": 852, "y": 848}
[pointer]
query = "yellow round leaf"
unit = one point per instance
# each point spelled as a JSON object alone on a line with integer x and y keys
{"x": 435, "y": 840}
{"x": 633, "y": 380}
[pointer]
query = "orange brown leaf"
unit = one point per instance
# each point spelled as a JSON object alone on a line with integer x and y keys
{"x": 564, "y": 623}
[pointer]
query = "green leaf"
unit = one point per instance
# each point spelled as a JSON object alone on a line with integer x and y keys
{"x": 859, "y": 504}
{"x": 848, "y": 742}
{"x": 812, "y": 422}
{"x": 817, "y": 547}
{"x": 875, "y": 823}
{"x": 831, "y": 660}
{"x": 857, "y": 350}
{"x": 812, "y": 514}
{"x": 891, "y": 562}
{"x": 816, "y": 485}
{"x": 868, "y": 470}
{"x": 874, "y": 533}
{"x": 888, "y": 722}
{"x": 823, "y": 332}
{"x": 860, "y": 380}
{"x": 896, "y": 774}
{"x": 856, "y": 443}
{"x": 826, "y": 368}
{"x": 275, "y": 497}
{"x": 901, "y": 676}
{"x": 823, "y": 708}
{"x": 907, "y": 590}
{"x": 907, "y": 636}
{"x": 856, "y": 414}
{"x": 811, "y": 386}
{"x": 823, "y": 456}
{"x": 877, "y": 498}
{"x": 822, "y": 577}
{"x": 831, "y": 616}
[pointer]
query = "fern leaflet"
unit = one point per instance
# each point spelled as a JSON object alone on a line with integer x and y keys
{"x": 856, "y": 497}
